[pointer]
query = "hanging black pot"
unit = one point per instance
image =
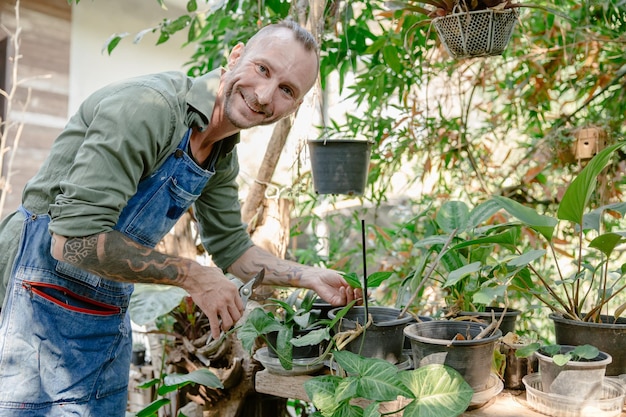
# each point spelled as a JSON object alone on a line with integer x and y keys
{"x": 339, "y": 166}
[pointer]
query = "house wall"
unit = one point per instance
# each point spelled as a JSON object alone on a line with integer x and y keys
{"x": 61, "y": 63}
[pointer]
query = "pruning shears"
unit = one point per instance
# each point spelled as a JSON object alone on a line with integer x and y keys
{"x": 245, "y": 290}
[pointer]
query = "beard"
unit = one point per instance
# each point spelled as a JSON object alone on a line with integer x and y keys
{"x": 231, "y": 98}
{"x": 232, "y": 95}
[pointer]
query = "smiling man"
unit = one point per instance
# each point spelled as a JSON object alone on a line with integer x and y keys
{"x": 129, "y": 163}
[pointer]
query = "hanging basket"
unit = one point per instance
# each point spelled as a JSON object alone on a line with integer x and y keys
{"x": 476, "y": 33}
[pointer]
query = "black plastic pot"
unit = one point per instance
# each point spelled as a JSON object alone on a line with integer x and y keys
{"x": 608, "y": 336}
{"x": 298, "y": 352}
{"x": 339, "y": 166}
{"x": 323, "y": 307}
{"x": 138, "y": 357}
{"x": 384, "y": 339}
{"x": 433, "y": 342}
{"x": 508, "y": 322}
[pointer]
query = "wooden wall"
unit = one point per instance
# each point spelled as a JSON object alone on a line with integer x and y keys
{"x": 41, "y": 99}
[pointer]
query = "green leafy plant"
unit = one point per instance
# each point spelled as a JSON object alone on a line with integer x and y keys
{"x": 433, "y": 390}
{"x": 467, "y": 256}
{"x": 595, "y": 283}
{"x": 293, "y": 315}
{"x": 173, "y": 382}
{"x": 579, "y": 353}
{"x": 373, "y": 280}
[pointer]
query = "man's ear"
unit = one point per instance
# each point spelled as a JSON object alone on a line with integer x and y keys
{"x": 235, "y": 54}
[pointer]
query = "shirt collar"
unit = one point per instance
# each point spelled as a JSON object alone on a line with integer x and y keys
{"x": 201, "y": 100}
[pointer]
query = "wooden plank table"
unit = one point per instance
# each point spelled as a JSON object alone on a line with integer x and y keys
{"x": 507, "y": 404}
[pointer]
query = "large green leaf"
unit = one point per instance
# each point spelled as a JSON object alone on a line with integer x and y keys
{"x": 577, "y": 195}
{"x": 481, "y": 213}
{"x": 150, "y": 301}
{"x": 458, "y": 274}
{"x": 152, "y": 408}
{"x": 258, "y": 323}
{"x": 539, "y": 222}
{"x": 527, "y": 257}
{"x": 593, "y": 219}
{"x": 200, "y": 376}
{"x": 486, "y": 295}
{"x": 312, "y": 338}
{"x": 607, "y": 242}
{"x": 453, "y": 215}
{"x": 321, "y": 391}
{"x": 439, "y": 391}
{"x": 508, "y": 238}
{"x": 376, "y": 379}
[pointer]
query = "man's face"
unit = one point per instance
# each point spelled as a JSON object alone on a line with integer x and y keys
{"x": 267, "y": 79}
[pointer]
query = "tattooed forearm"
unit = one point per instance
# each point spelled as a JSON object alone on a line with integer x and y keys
{"x": 117, "y": 257}
{"x": 255, "y": 259}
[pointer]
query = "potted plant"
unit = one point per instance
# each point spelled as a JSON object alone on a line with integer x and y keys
{"x": 371, "y": 386}
{"x": 372, "y": 331}
{"x": 585, "y": 302}
{"x": 465, "y": 346}
{"x": 573, "y": 371}
{"x": 293, "y": 333}
{"x": 467, "y": 29}
{"x": 468, "y": 264}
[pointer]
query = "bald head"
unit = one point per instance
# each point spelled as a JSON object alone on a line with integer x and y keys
{"x": 300, "y": 34}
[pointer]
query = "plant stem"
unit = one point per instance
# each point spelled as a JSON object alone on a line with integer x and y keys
{"x": 428, "y": 273}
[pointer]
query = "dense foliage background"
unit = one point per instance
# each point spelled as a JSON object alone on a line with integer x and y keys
{"x": 443, "y": 129}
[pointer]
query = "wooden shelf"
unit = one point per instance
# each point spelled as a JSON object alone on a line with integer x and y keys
{"x": 506, "y": 404}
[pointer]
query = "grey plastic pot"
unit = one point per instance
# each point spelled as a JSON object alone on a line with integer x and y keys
{"x": 578, "y": 379}
{"x": 432, "y": 342}
{"x": 384, "y": 338}
{"x": 608, "y": 336}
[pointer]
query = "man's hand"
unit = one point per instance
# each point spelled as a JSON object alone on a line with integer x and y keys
{"x": 217, "y": 296}
{"x": 331, "y": 286}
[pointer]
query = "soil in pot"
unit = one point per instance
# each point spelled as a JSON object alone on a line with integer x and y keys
{"x": 434, "y": 342}
{"x": 580, "y": 379}
{"x": 508, "y": 322}
{"x": 608, "y": 336}
{"x": 383, "y": 339}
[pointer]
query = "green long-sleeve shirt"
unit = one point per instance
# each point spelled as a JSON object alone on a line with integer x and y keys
{"x": 121, "y": 134}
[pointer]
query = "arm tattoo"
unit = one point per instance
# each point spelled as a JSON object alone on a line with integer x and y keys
{"x": 117, "y": 257}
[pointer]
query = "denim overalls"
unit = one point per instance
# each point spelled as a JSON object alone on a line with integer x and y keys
{"x": 65, "y": 335}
